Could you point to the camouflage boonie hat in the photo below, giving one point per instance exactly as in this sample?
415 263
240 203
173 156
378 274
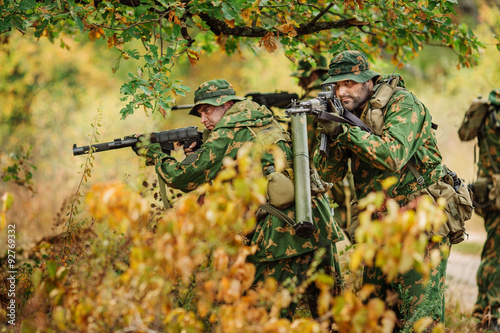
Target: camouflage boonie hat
310 76
213 92
494 97
350 65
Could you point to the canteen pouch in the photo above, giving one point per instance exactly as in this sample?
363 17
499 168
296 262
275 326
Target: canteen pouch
374 117
459 206
481 188
384 93
280 190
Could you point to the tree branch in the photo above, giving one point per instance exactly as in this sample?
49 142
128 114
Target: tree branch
219 27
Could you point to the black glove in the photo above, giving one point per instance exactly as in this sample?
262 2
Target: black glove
137 148
327 127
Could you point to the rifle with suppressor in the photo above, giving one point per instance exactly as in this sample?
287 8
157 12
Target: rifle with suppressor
166 139
278 99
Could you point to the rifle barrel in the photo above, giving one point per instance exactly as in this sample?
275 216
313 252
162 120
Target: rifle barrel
116 144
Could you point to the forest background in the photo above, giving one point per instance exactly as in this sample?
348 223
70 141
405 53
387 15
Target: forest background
50 96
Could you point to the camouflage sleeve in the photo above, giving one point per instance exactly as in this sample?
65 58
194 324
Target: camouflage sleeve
333 167
489 142
199 167
406 122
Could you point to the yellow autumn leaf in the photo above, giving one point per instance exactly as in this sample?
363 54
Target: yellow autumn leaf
230 23
356 258
422 324
193 57
287 29
245 16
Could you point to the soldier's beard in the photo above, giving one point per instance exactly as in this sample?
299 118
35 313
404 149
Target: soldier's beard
356 103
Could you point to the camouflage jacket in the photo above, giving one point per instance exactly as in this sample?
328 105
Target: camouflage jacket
406 133
489 141
275 239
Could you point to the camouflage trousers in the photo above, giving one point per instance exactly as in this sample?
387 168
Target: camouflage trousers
295 268
487 305
408 296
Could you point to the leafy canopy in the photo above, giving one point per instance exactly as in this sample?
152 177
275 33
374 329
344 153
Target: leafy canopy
169 30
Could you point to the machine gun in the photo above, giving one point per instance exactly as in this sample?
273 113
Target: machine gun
278 99
167 139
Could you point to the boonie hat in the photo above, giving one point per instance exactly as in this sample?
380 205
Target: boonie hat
213 92
311 77
350 65
494 97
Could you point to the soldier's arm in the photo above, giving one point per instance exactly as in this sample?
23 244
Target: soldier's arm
333 167
197 168
405 125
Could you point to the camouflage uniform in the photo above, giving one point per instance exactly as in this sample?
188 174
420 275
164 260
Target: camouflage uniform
280 253
406 134
488 273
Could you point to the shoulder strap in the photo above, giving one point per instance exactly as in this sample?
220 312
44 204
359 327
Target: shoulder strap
277 213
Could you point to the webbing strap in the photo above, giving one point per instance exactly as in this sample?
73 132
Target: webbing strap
418 176
278 213
347 118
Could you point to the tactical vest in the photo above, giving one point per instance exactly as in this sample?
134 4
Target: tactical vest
374 117
457 195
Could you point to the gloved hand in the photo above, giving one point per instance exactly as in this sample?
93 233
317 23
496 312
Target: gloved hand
327 127
138 147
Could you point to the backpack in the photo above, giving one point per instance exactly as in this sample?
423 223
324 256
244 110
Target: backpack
473 119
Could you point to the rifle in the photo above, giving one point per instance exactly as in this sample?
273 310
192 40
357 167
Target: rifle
320 106
185 135
167 139
279 99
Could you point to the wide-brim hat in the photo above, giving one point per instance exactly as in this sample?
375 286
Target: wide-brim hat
213 92
350 65
312 76
494 97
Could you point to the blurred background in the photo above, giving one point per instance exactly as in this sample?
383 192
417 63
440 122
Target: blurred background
49 97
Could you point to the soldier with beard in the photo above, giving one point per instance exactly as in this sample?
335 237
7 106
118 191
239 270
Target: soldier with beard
401 132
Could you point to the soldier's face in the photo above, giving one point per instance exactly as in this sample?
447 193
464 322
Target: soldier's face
211 115
353 95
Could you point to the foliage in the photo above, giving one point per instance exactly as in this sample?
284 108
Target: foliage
16 168
187 269
394 238
170 29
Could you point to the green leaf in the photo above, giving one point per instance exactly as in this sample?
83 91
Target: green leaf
78 22
52 269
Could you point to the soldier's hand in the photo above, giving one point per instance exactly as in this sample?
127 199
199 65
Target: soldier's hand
138 148
189 150
327 127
